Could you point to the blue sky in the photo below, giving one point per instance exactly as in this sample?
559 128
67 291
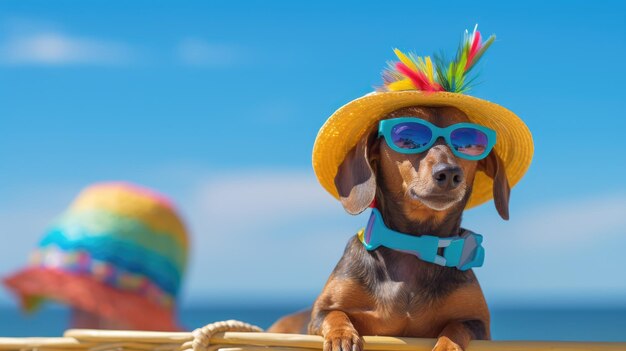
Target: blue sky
218 104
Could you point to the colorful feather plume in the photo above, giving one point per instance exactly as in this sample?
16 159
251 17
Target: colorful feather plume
414 72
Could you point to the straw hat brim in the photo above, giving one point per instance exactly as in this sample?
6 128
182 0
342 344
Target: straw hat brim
343 130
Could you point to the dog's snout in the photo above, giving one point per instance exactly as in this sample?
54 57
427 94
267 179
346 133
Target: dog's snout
447 176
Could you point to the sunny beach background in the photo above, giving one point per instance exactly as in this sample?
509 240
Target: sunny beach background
217 105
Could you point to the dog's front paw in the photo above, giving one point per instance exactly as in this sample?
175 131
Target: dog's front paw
445 344
343 340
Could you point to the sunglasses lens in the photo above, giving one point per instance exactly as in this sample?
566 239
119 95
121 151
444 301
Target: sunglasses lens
410 135
469 141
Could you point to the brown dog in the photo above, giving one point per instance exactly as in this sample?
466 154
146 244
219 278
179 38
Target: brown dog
387 292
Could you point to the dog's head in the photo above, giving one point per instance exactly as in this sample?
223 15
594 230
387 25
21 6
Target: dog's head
424 186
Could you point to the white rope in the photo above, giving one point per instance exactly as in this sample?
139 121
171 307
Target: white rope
202 336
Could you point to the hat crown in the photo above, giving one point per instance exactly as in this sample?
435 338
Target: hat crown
123 235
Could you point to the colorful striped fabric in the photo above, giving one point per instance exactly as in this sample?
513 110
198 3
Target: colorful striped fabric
120 236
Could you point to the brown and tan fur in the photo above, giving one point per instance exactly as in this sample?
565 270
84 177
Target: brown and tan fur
386 292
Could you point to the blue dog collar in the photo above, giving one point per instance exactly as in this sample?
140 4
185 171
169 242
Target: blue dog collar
463 252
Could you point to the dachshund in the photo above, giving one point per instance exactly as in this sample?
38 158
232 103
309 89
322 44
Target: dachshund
392 293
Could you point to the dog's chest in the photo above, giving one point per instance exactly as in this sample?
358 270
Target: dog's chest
398 297
407 293
403 311
402 292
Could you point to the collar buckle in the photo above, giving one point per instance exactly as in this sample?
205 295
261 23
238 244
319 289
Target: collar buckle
463 252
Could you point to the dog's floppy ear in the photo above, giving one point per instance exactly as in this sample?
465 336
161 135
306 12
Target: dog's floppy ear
355 180
493 167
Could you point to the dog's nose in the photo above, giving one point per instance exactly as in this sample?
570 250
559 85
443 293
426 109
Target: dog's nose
447 176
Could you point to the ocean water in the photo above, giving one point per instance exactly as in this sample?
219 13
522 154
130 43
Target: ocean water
562 324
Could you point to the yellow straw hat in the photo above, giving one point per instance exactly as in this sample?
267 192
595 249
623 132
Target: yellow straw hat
416 81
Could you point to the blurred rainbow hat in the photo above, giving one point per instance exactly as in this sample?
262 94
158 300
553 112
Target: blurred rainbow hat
119 251
422 81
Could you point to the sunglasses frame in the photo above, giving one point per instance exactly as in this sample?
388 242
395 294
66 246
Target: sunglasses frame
385 126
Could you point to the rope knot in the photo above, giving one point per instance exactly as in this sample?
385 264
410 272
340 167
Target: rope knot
202 336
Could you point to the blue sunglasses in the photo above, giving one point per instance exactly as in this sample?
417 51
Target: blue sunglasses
411 135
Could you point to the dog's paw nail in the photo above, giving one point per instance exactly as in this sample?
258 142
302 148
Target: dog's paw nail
343 340
445 344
